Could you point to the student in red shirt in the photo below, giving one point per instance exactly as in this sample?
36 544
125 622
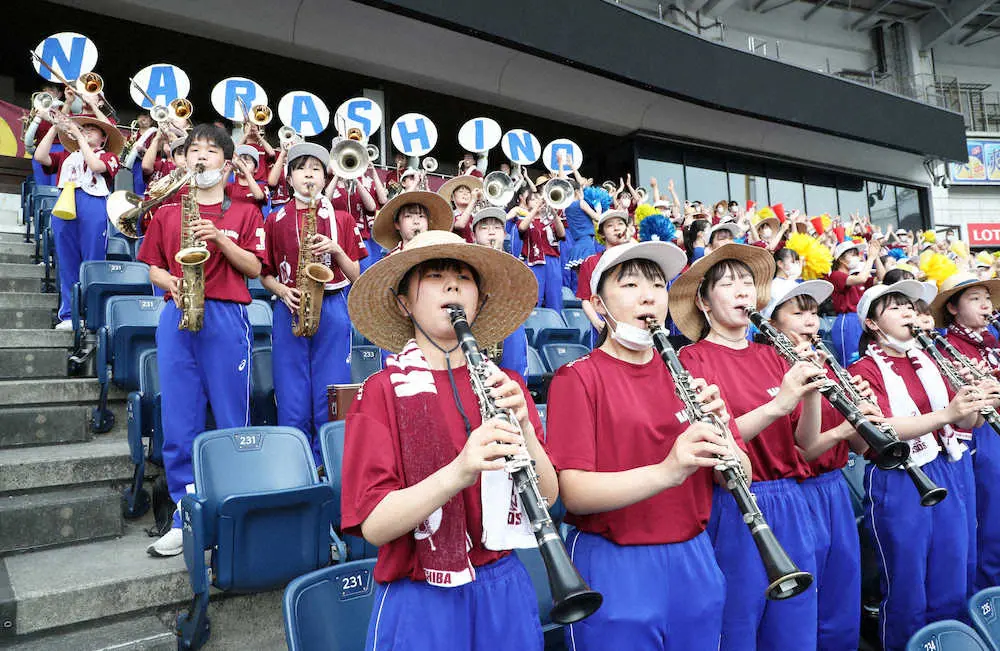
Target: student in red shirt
962 307
541 230
635 477
277 181
164 154
851 276
244 187
210 365
465 193
777 410
406 216
254 137
423 477
614 226
924 554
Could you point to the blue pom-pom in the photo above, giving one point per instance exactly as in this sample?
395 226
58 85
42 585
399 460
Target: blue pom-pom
598 197
657 228
899 254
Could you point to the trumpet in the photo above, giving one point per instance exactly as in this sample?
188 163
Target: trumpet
159 114
90 82
349 159
287 136
260 114
558 194
181 108
373 152
429 164
41 104
498 188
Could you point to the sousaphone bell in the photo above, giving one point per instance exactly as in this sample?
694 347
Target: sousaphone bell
498 188
349 159
558 194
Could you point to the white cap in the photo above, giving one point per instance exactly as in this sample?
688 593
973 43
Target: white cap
661 203
820 290
612 214
912 289
930 292
308 149
668 257
844 247
735 230
245 150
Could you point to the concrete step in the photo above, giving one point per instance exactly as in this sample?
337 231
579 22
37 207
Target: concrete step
8 270
18 258
14 238
59 517
28 300
36 339
32 363
16 246
19 393
20 284
142 632
101 461
36 318
54 424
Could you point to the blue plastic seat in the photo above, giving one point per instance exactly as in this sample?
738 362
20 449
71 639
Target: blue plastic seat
143 423
984 608
569 299
99 281
545 325
577 318
119 249
556 355
263 408
43 200
358 339
542 414
27 191
331 440
365 362
257 291
329 609
536 375
129 329
946 635
261 510
261 319
854 473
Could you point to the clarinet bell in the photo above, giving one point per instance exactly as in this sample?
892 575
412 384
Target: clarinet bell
930 493
785 579
572 598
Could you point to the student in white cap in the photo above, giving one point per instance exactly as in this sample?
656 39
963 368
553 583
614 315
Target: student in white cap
851 276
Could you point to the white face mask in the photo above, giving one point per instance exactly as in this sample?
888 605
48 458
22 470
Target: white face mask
209 178
899 346
628 335
795 271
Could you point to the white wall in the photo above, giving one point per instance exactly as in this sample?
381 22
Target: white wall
961 205
970 64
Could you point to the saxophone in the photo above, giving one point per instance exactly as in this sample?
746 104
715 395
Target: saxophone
311 276
192 258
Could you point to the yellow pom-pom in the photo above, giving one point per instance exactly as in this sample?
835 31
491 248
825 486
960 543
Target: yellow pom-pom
959 248
642 211
985 258
929 236
827 222
936 267
817 259
762 214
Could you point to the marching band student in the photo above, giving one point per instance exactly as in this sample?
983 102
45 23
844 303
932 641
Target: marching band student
161 157
244 187
851 276
777 409
423 476
541 231
305 366
923 553
162 168
410 179
253 137
635 477
721 234
962 307
465 193
90 162
277 181
355 196
406 216
210 366
581 218
614 227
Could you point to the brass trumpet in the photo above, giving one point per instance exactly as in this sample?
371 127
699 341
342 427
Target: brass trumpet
181 108
260 114
90 82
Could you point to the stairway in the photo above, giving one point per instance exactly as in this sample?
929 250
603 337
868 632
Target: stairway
74 574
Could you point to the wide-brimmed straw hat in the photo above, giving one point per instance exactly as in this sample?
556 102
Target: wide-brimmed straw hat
439 216
683 308
115 138
960 282
448 187
507 290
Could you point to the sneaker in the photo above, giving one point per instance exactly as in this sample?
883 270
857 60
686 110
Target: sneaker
170 544
65 325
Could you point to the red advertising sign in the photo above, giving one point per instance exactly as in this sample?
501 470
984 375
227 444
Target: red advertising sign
10 130
984 234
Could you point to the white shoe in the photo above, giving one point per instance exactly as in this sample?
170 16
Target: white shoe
170 544
64 325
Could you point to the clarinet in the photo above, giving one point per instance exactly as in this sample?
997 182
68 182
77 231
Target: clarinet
572 598
785 579
927 344
930 493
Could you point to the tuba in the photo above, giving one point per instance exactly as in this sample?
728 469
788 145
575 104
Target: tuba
126 208
349 159
311 276
498 188
192 258
558 194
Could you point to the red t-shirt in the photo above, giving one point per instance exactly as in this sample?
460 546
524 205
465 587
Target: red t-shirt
972 351
161 168
584 275
845 299
904 368
373 465
350 202
465 232
836 457
608 415
539 241
237 192
264 162
281 236
772 452
242 223
110 162
279 193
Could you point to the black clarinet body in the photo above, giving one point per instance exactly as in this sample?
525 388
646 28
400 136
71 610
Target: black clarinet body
930 343
785 579
572 598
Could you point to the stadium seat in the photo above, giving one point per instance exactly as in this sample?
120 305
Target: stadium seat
365 361
577 318
545 325
532 560
50 283
854 473
253 486
536 376
129 328
542 413
263 408
119 249
984 608
257 291
556 355
331 441
260 321
43 199
946 635
358 339
569 299
99 281
143 423
329 609
27 190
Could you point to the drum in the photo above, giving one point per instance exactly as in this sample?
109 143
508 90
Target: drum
339 398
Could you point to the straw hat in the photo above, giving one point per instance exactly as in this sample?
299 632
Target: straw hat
957 283
439 216
683 309
115 138
448 188
507 285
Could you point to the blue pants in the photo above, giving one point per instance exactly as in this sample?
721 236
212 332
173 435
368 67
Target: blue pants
838 561
549 277
986 462
78 240
375 253
846 334
138 182
749 620
964 469
515 351
921 551
497 610
569 276
656 597
198 369
305 366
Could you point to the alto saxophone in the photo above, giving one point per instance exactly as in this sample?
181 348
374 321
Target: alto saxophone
192 258
311 276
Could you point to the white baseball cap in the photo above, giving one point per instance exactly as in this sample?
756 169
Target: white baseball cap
666 256
844 247
912 289
732 227
820 290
